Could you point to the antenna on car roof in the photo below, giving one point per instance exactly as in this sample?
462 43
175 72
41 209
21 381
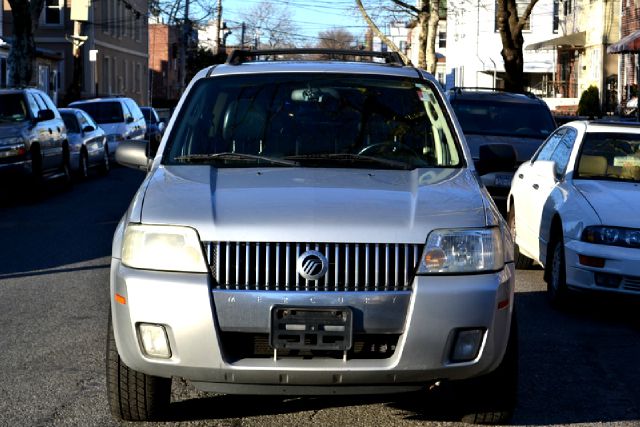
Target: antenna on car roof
238 56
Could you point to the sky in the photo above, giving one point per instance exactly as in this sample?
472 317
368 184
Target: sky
311 16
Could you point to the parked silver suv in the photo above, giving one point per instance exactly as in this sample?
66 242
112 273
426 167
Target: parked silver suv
33 137
311 227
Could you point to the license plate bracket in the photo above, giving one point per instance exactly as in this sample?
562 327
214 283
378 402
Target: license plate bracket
316 328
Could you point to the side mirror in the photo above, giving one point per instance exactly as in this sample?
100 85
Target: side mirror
133 154
496 158
44 115
129 119
88 128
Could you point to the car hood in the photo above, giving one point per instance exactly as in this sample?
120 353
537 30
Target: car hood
525 147
10 130
616 203
312 205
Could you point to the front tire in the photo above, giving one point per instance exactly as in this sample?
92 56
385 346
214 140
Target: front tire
105 166
522 262
556 274
83 165
132 395
494 396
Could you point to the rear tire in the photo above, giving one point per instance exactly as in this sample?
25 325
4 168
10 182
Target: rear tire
522 262
494 396
132 395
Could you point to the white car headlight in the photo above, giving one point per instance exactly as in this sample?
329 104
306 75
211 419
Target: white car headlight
452 251
161 247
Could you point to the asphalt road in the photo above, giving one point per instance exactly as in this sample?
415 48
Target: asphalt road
578 367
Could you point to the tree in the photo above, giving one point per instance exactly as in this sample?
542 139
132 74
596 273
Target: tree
335 38
22 55
270 22
424 18
510 26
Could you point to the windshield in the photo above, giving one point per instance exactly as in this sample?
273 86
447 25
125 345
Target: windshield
504 118
103 112
13 108
610 156
314 120
70 122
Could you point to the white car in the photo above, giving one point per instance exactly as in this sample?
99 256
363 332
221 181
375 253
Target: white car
573 208
119 117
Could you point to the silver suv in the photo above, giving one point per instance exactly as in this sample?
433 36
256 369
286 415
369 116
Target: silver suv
311 227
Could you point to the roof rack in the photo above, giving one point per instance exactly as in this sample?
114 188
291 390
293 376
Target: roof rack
460 89
238 56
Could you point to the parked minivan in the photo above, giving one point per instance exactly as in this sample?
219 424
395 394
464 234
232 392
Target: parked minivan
119 117
33 137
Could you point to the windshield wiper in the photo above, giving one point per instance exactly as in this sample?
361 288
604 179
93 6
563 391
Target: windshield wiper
350 158
204 158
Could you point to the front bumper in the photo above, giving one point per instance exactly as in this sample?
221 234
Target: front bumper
429 317
619 274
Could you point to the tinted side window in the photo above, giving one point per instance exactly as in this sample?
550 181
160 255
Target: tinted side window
48 102
546 150
70 122
563 151
33 105
127 111
82 120
135 110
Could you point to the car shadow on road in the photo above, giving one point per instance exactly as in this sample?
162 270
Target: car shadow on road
577 365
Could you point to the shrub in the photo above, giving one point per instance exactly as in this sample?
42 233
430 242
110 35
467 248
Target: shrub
589 104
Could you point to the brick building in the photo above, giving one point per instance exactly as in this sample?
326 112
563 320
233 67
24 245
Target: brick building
164 63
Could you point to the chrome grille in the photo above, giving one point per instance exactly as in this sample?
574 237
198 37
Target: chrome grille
352 266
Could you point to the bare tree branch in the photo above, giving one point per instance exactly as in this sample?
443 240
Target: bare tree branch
380 34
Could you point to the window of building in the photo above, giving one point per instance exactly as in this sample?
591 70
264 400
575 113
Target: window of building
568 7
442 39
3 73
106 88
403 46
521 6
556 15
138 80
52 12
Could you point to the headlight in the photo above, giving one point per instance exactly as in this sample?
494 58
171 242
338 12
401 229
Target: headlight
462 251
613 236
159 247
14 140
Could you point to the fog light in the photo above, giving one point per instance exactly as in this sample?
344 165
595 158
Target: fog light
591 261
154 340
608 280
467 345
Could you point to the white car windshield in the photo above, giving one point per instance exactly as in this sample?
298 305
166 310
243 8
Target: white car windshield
315 120
610 156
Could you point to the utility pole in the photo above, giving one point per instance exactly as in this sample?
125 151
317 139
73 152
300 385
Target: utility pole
183 47
218 26
244 27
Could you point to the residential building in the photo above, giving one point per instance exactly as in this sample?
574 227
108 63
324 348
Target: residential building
116 32
405 35
628 68
586 28
474 44
164 63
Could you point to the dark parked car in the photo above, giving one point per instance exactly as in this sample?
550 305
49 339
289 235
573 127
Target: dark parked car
33 137
488 116
155 127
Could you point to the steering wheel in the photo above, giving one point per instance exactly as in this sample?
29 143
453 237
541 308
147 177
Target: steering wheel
388 147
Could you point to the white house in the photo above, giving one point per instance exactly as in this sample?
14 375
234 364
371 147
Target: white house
405 37
474 44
